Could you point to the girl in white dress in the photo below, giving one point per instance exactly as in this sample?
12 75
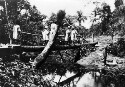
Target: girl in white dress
73 35
45 34
16 32
16 29
53 28
67 37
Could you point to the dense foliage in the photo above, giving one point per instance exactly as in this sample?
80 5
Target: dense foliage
18 73
118 48
22 13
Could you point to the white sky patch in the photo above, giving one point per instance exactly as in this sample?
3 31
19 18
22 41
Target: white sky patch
49 6
70 6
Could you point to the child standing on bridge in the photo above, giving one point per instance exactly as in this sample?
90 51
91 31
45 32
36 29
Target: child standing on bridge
68 37
16 33
45 34
53 28
73 35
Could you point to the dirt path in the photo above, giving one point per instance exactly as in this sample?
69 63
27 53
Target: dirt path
96 58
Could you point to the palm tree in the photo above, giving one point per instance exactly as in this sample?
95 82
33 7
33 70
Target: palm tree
80 17
97 11
68 20
118 3
93 27
52 19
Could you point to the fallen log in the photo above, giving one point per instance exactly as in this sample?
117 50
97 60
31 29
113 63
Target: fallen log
80 73
41 58
84 69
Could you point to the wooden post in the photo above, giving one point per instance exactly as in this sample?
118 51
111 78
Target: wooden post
93 32
112 33
105 56
92 37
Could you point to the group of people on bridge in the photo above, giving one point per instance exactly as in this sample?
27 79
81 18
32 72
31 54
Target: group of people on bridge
70 33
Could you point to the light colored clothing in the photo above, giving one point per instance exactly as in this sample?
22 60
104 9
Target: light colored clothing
45 34
53 28
73 35
67 35
24 11
16 28
1 8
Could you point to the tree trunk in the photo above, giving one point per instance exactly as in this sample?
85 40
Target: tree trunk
41 58
112 37
105 56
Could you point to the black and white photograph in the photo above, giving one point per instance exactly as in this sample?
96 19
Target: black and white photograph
62 43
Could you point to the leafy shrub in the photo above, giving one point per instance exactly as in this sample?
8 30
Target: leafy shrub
117 49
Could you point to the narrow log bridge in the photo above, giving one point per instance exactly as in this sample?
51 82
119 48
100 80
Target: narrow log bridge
18 49
58 47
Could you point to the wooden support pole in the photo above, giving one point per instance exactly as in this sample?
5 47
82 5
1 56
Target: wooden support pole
105 55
